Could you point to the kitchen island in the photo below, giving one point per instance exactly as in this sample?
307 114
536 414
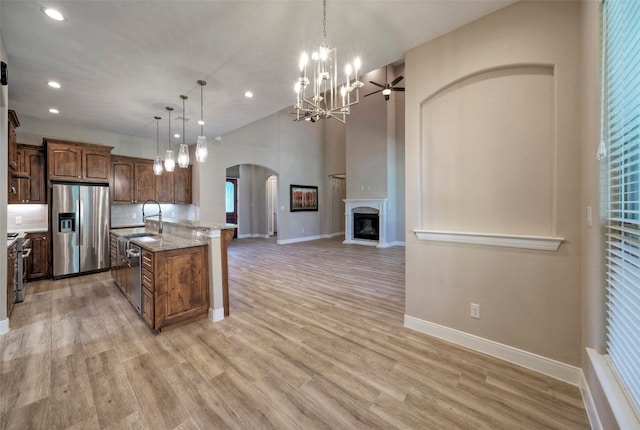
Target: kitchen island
183 270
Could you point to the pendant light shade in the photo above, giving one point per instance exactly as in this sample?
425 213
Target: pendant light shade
202 153
183 155
169 159
157 163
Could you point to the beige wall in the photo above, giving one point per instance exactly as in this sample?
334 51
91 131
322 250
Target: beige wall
492 146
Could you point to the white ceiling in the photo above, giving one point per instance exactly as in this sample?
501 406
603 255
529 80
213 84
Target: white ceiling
121 62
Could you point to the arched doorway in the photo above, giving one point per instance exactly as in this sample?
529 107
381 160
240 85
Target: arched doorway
254 189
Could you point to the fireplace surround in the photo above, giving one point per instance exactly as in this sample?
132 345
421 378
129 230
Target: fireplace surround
367 209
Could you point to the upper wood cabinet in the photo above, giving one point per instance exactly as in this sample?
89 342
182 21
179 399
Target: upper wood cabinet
30 159
174 187
132 179
12 140
78 162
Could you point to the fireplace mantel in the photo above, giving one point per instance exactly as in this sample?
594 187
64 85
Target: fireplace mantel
351 206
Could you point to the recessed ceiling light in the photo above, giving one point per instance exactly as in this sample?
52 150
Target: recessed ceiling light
248 94
177 135
53 13
54 110
54 84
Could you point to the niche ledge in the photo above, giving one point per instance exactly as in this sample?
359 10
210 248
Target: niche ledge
541 243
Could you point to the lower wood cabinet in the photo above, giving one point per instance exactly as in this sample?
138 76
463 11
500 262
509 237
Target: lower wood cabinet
175 286
38 261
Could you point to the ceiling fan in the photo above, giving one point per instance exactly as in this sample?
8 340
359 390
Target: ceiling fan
387 88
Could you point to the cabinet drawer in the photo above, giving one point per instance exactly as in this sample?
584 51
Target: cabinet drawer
147 280
147 260
147 307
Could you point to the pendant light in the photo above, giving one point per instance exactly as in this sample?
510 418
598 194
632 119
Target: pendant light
169 160
183 155
157 163
202 153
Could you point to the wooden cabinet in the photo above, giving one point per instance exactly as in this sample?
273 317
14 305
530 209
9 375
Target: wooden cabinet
31 159
38 261
12 140
133 180
174 187
78 162
11 277
175 286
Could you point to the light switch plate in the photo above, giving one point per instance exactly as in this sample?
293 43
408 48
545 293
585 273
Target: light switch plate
18 220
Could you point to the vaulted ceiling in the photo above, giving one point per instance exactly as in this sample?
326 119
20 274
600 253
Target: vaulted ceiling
122 62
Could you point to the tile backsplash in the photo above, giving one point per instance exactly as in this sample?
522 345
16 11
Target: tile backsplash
27 217
131 215
36 217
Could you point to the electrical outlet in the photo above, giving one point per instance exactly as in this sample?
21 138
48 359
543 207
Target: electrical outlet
303 230
18 220
134 216
475 310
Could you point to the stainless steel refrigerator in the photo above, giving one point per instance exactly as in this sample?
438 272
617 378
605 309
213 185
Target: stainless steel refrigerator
80 228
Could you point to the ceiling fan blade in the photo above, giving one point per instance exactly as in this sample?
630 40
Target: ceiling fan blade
375 92
397 89
376 84
396 80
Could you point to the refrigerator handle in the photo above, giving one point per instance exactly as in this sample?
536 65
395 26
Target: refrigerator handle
79 211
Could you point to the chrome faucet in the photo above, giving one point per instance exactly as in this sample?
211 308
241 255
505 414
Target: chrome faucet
159 214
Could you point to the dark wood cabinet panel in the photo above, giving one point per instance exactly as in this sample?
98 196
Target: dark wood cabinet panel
96 165
145 182
12 139
30 159
65 162
35 188
174 187
133 180
182 185
38 262
165 187
78 162
122 180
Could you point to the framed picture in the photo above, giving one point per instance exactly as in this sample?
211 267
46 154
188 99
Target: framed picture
303 198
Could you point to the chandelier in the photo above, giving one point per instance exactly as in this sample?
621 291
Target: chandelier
326 98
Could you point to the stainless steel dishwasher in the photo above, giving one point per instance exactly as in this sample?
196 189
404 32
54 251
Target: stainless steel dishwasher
134 253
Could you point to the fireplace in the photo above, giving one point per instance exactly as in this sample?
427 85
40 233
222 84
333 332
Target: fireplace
366 226
365 222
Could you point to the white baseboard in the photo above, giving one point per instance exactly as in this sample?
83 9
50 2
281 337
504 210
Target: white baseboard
253 236
216 315
4 326
299 239
589 404
331 235
547 366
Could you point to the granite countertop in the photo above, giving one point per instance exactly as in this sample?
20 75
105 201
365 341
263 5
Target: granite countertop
21 235
156 242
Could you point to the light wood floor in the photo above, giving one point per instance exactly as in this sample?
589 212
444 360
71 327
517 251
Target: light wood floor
315 340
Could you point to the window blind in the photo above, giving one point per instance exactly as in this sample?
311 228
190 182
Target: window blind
621 132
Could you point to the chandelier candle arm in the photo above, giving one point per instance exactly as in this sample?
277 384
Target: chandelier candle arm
324 102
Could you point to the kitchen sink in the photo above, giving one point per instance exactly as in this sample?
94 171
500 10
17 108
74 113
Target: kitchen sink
138 235
147 238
